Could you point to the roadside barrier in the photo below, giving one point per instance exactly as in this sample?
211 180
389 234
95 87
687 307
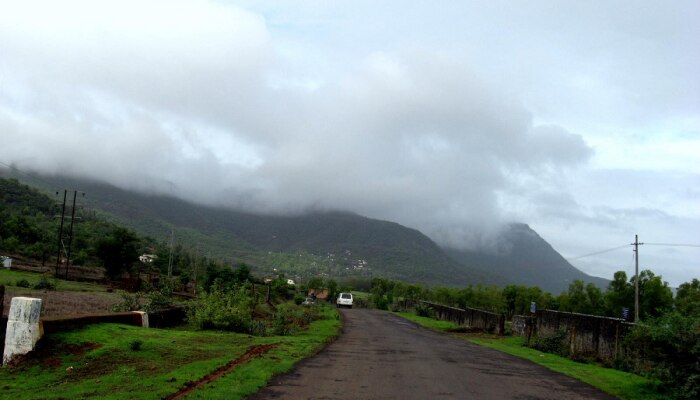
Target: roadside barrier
582 334
469 317
14 332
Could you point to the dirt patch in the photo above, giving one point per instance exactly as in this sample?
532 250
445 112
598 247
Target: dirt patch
255 351
61 303
48 351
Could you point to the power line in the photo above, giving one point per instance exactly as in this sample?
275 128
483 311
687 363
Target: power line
27 174
674 244
599 252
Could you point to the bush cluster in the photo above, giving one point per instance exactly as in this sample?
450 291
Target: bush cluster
288 318
424 310
229 309
23 283
45 284
555 344
668 349
129 302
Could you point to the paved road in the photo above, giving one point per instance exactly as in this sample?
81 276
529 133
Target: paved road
382 356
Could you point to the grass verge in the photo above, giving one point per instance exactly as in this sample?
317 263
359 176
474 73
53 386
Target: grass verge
620 384
9 278
104 361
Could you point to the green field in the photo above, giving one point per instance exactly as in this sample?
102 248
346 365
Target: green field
617 383
107 361
9 278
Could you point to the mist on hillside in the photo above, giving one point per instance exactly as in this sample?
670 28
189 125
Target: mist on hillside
454 120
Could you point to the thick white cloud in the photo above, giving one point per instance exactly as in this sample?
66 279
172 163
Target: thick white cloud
450 119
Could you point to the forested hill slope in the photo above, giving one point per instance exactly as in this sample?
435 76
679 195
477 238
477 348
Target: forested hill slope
524 257
336 241
332 242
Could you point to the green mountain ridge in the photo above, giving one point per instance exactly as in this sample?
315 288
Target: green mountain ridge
525 255
331 242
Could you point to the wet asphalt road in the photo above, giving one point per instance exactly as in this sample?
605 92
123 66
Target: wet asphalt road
382 356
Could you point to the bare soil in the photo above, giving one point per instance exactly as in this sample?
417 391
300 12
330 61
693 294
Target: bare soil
61 303
64 303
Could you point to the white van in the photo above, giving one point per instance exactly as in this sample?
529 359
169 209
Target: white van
344 300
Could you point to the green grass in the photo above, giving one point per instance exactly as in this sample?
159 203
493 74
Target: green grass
360 295
431 323
9 278
620 384
98 361
250 377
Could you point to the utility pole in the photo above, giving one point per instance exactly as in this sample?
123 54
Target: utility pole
195 269
636 277
70 233
60 233
61 245
170 256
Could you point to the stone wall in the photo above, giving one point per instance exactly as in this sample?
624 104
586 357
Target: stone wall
470 317
520 324
586 335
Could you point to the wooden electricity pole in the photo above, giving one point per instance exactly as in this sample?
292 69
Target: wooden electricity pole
636 277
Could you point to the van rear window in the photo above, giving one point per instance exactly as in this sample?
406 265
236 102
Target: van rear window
346 296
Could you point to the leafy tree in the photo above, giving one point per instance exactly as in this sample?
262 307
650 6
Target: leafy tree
242 274
688 298
315 283
220 275
582 299
655 296
596 300
517 299
118 251
332 290
620 294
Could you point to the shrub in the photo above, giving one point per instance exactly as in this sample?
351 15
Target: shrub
555 344
287 319
159 298
23 283
359 303
667 348
424 310
380 302
135 345
129 302
225 309
258 328
45 284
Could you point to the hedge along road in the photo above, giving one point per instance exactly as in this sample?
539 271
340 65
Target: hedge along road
382 356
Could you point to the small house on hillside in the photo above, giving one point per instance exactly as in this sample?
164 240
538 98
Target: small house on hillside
147 258
319 294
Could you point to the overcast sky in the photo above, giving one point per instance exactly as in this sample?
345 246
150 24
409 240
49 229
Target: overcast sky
581 119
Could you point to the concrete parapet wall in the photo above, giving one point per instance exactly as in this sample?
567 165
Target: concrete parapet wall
521 323
470 317
157 319
52 325
588 335
167 318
